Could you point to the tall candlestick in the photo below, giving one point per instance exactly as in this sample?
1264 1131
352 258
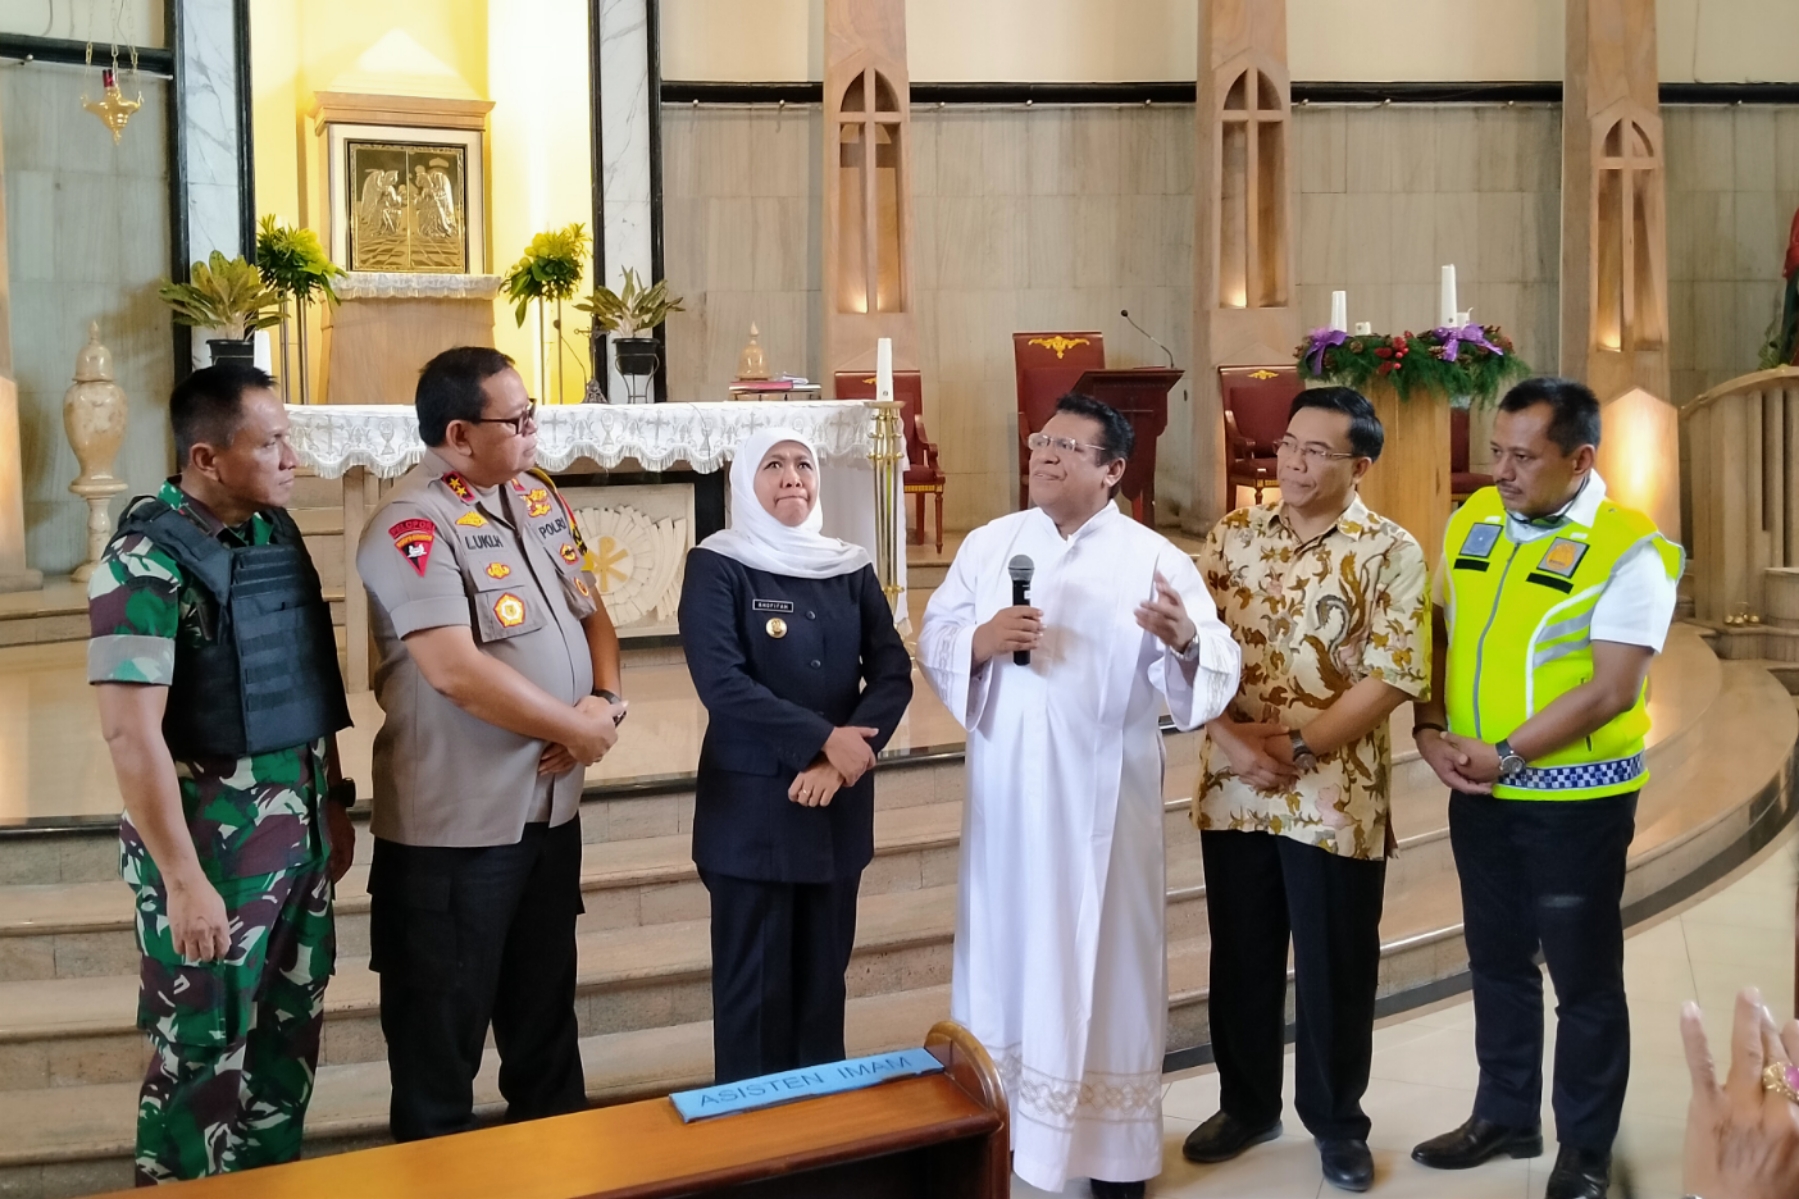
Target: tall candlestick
1340 310
1446 307
884 368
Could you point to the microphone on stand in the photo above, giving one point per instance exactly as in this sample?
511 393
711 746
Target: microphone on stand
1021 568
1126 314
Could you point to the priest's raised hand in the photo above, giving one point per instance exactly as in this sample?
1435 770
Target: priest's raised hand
1164 617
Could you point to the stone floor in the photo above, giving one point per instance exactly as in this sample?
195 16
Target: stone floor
1738 933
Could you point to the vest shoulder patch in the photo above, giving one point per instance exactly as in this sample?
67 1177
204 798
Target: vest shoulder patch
1479 542
1563 557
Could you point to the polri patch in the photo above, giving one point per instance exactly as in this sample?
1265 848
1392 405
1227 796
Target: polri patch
473 520
509 610
1563 557
762 605
459 485
1480 541
498 570
414 538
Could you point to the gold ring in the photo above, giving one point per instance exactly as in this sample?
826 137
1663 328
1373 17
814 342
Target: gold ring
1782 1078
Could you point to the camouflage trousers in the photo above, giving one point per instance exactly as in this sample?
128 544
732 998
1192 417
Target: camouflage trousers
234 1043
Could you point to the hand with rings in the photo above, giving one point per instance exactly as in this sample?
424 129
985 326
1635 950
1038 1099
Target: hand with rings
815 786
1742 1138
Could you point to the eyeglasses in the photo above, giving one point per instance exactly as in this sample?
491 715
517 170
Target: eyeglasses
1068 445
1310 452
518 423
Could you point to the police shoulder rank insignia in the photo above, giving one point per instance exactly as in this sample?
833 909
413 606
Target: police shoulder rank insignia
509 610
581 586
569 554
1563 557
414 538
473 520
498 570
537 508
459 485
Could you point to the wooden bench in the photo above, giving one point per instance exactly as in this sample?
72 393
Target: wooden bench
943 1135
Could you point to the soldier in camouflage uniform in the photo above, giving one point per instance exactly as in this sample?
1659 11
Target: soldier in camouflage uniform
231 846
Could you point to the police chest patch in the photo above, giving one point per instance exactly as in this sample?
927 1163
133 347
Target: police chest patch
762 605
509 610
498 570
568 554
1480 541
472 520
414 538
1563 557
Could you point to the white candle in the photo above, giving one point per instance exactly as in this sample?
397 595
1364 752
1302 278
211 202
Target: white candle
884 369
1340 310
1446 297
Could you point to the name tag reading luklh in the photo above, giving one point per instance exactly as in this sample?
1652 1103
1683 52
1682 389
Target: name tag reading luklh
808 1083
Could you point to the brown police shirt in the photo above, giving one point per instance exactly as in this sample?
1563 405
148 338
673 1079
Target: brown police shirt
507 565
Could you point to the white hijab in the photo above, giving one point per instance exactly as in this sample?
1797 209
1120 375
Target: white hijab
758 540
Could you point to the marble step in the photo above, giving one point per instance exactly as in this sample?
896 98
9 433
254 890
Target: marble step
75 930
72 1140
73 1030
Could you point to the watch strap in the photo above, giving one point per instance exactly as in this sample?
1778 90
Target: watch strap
342 793
1427 725
609 696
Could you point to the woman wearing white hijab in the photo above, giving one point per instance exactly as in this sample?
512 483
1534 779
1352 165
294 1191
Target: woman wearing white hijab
792 649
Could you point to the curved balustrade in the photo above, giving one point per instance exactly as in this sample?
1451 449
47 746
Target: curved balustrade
1743 477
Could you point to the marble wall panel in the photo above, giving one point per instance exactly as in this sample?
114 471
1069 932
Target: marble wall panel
87 240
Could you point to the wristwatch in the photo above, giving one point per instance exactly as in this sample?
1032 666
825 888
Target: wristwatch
1303 757
342 793
608 696
1510 760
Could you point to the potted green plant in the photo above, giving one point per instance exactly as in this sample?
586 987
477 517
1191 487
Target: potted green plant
631 312
294 265
549 272
227 295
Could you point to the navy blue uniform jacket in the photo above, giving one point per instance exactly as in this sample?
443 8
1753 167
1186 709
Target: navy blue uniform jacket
771 702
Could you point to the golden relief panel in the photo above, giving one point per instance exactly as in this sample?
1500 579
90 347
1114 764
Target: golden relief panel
408 206
1061 345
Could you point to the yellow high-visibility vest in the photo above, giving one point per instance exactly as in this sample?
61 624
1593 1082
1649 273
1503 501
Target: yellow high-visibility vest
1520 617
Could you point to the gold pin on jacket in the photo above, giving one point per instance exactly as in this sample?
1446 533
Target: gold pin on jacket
777 628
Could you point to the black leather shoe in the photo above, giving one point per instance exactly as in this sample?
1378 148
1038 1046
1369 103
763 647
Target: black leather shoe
1224 1137
1579 1174
1118 1190
1348 1165
1475 1142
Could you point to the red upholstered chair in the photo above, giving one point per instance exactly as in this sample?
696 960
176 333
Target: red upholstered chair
923 475
1462 481
1047 365
1257 402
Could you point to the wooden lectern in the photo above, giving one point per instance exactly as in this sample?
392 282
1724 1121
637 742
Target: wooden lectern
1050 365
939 1136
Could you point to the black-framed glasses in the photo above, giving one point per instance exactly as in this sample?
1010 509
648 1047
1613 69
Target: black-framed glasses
518 423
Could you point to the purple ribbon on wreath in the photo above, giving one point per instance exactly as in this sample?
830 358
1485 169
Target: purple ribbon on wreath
1322 340
1472 334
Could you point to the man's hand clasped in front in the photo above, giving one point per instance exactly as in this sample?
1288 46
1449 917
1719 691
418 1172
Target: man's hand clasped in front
1449 756
1255 753
599 719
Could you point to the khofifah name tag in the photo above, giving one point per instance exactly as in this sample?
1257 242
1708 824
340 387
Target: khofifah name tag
808 1083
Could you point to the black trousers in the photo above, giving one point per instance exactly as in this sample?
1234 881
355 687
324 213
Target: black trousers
1547 874
1262 889
465 937
779 953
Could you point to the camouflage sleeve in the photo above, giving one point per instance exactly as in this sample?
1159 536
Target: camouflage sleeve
134 609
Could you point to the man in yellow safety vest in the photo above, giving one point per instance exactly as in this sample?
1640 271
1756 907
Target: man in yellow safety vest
1551 602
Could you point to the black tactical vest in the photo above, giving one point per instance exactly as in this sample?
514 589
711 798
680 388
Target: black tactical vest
265 676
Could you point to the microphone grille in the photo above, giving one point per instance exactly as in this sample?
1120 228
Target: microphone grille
1021 568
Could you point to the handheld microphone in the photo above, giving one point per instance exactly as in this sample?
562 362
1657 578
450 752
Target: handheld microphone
1021 568
1126 314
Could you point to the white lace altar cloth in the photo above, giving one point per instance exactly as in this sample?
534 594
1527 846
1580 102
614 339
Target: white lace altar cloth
384 438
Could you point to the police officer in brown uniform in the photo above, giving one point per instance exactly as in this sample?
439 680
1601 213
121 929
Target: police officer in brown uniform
499 677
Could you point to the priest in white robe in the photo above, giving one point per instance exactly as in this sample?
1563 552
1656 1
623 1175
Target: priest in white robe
1060 963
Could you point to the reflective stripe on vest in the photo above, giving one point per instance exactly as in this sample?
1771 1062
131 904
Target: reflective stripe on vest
1520 618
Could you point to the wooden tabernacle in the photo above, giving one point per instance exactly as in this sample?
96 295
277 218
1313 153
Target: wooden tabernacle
944 1136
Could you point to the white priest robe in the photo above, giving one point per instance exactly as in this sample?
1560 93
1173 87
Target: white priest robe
1060 955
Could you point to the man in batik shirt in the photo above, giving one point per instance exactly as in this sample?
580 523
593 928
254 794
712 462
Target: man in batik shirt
216 671
1327 600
